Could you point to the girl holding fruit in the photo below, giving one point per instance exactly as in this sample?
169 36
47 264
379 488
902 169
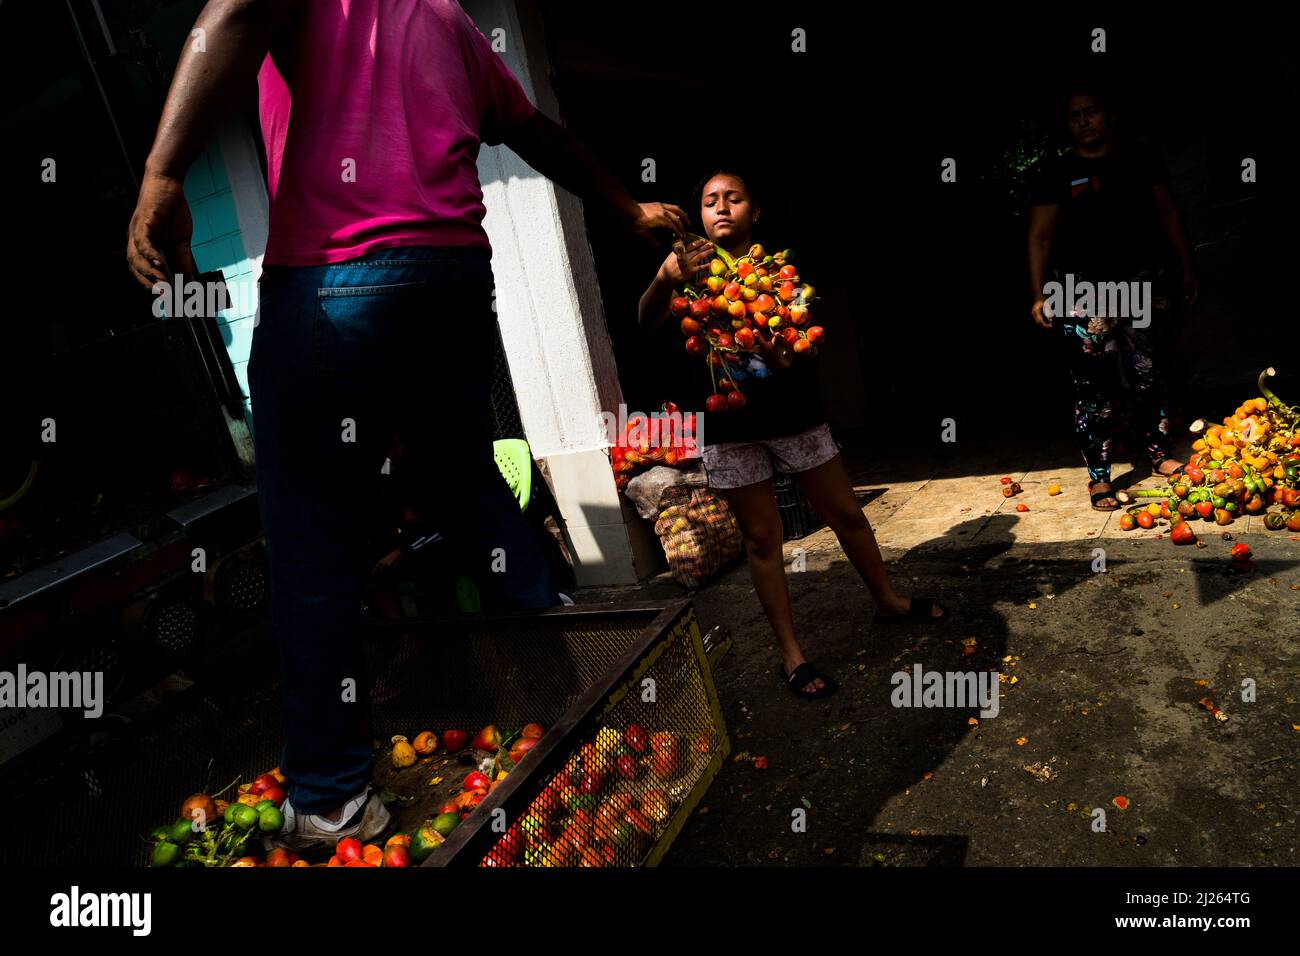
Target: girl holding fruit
776 423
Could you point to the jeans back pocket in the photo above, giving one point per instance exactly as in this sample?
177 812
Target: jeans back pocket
361 331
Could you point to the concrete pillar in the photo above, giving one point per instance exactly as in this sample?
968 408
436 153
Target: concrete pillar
553 324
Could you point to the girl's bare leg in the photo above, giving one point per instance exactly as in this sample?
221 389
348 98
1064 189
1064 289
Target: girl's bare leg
760 523
831 493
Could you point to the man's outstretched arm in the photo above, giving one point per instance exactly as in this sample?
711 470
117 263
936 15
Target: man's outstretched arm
562 158
236 37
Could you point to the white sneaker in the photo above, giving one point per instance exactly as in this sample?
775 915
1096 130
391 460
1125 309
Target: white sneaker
364 817
565 600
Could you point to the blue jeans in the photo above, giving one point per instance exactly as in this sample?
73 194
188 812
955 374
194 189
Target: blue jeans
343 357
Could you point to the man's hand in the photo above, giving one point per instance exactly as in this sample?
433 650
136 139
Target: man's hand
158 239
660 215
1191 288
1039 312
685 261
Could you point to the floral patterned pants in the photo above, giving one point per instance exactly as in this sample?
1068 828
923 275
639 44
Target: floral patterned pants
1108 356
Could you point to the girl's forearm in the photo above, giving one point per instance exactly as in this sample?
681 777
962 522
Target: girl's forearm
653 309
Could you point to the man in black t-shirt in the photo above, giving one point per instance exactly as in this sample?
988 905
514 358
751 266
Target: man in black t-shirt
1103 213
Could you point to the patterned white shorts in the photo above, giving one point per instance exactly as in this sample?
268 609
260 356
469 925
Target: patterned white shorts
737 464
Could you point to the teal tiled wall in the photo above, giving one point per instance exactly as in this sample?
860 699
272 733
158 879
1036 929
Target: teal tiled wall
218 245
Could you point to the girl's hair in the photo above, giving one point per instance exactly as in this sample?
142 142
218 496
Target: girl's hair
730 170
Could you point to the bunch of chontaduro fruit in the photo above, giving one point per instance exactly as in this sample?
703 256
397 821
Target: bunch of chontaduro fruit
757 305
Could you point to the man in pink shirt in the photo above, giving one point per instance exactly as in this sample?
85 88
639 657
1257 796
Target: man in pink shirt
372 112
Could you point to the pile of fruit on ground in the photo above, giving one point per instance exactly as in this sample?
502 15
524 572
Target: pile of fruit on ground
1249 464
421 780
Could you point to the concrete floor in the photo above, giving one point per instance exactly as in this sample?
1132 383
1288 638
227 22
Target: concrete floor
1101 678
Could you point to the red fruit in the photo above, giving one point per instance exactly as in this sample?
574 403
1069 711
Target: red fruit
801 346
1145 519
790 336
1241 552
719 305
591 783
1222 516
1127 522
735 400
454 740
732 291
488 739
680 305
690 327
1293 522
815 334
262 784
696 345
788 272
449 807
745 339
1194 475
349 850
716 403
359 863
1217 476
626 766
521 747
1182 533
1005 479
636 738
397 855
1024 507
726 340
476 780
276 795
701 308
1205 509
279 857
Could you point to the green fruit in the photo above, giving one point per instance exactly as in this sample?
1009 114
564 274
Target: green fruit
165 854
536 855
263 805
444 823
245 817
270 819
161 833
582 801
247 846
424 841
229 815
180 832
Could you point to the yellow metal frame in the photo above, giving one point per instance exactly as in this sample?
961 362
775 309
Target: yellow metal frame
687 622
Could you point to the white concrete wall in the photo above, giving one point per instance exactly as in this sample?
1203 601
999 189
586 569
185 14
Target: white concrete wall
552 321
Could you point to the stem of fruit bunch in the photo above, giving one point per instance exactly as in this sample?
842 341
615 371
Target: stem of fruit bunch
225 788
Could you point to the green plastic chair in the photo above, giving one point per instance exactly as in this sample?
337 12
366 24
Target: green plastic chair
515 461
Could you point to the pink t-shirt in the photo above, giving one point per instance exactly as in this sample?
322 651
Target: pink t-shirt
372 122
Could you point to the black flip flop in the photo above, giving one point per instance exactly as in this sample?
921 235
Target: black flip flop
1094 498
804 675
922 609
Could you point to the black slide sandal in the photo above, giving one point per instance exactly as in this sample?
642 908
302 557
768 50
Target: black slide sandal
922 609
803 675
1113 495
